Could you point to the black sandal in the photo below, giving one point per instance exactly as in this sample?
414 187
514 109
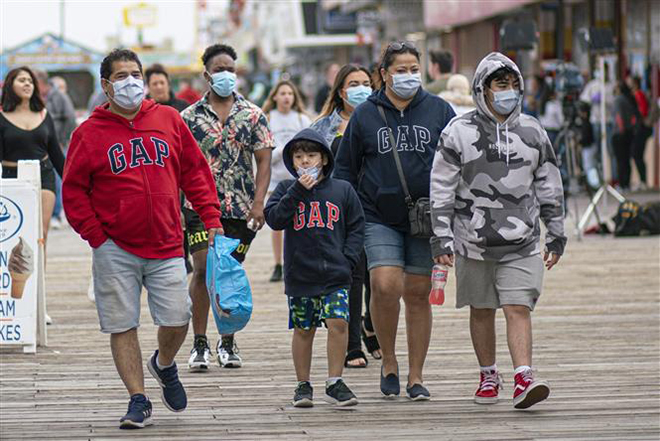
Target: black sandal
370 341
355 354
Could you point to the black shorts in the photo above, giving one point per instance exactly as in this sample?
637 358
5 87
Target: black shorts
47 174
198 238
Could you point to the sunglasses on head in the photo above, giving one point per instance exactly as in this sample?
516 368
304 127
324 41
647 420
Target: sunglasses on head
400 45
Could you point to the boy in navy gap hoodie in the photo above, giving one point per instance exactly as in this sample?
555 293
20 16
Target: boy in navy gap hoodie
323 225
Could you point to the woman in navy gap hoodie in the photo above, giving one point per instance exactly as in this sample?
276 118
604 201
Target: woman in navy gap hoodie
399 264
323 225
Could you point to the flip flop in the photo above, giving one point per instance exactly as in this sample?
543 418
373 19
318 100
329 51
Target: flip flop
370 341
355 354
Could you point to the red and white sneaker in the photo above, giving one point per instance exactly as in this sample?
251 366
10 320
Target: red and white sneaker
528 391
489 387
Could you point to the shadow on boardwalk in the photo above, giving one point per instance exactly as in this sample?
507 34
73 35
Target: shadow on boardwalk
596 336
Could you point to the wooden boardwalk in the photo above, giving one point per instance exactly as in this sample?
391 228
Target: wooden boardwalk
596 336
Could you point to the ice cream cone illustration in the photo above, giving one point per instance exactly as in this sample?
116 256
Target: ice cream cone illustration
21 267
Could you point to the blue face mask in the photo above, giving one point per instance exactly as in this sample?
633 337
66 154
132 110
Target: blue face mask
223 83
406 85
505 102
312 171
356 95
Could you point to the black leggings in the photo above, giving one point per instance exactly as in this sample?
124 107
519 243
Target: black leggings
355 303
642 133
622 143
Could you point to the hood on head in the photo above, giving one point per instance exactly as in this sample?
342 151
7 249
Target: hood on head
313 136
491 63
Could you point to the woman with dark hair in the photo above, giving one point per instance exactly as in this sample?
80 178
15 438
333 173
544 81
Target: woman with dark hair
28 132
626 118
286 117
402 116
351 88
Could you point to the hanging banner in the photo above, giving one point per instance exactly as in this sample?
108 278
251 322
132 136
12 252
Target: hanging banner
19 263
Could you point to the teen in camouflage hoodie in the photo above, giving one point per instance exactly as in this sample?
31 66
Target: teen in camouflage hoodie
491 178
494 177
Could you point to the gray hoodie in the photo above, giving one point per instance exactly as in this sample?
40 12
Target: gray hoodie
492 182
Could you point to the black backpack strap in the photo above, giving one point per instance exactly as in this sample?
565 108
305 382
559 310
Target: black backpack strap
397 160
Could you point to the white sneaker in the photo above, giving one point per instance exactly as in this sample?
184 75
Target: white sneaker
55 223
49 321
200 357
228 353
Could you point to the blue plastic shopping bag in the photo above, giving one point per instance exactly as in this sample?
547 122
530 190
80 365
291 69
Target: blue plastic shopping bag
228 286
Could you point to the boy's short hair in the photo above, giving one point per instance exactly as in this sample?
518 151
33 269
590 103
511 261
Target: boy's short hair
307 147
499 74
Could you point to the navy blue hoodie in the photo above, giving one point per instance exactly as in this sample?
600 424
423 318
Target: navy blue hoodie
365 156
323 227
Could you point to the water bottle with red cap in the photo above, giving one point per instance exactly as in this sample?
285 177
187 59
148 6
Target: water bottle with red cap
438 282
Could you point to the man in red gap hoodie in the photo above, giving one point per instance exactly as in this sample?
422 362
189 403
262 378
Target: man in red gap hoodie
125 167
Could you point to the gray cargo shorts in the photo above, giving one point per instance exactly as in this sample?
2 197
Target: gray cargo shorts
487 284
118 280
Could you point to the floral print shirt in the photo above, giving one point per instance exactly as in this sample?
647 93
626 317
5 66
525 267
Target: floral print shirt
229 149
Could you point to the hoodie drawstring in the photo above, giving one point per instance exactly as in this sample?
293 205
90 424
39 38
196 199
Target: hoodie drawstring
499 146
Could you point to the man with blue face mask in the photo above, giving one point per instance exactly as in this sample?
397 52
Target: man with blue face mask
494 178
231 132
125 169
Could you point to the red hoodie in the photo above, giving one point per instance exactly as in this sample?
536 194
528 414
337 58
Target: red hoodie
122 180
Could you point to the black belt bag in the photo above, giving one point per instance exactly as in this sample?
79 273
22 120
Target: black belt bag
419 211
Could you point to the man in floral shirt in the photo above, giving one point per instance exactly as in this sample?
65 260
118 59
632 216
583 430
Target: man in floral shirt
230 131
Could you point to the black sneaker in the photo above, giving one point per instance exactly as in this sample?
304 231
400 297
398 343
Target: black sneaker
138 415
417 392
389 385
340 395
304 395
277 274
172 392
200 356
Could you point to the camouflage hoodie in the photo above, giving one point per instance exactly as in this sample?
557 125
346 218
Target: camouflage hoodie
491 182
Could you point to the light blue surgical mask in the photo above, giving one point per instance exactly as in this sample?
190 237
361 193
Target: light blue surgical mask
129 92
223 83
406 85
505 102
356 95
312 171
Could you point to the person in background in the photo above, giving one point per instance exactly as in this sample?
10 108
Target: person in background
643 130
187 92
439 70
494 178
286 117
60 107
551 115
591 94
322 95
352 87
158 84
233 134
96 99
626 119
534 96
60 84
27 131
458 94
399 264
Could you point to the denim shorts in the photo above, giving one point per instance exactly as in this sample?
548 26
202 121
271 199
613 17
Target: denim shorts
311 312
118 280
386 246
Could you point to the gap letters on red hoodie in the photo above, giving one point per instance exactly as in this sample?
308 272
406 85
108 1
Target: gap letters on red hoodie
122 180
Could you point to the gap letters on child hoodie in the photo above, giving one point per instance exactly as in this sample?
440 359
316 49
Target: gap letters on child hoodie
492 181
365 157
122 180
324 227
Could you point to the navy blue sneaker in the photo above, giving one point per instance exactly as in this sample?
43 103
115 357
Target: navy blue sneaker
389 385
417 392
138 415
172 392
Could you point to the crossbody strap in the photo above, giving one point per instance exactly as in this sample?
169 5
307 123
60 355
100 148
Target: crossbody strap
397 160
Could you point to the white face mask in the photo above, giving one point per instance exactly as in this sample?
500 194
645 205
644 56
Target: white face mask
129 92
